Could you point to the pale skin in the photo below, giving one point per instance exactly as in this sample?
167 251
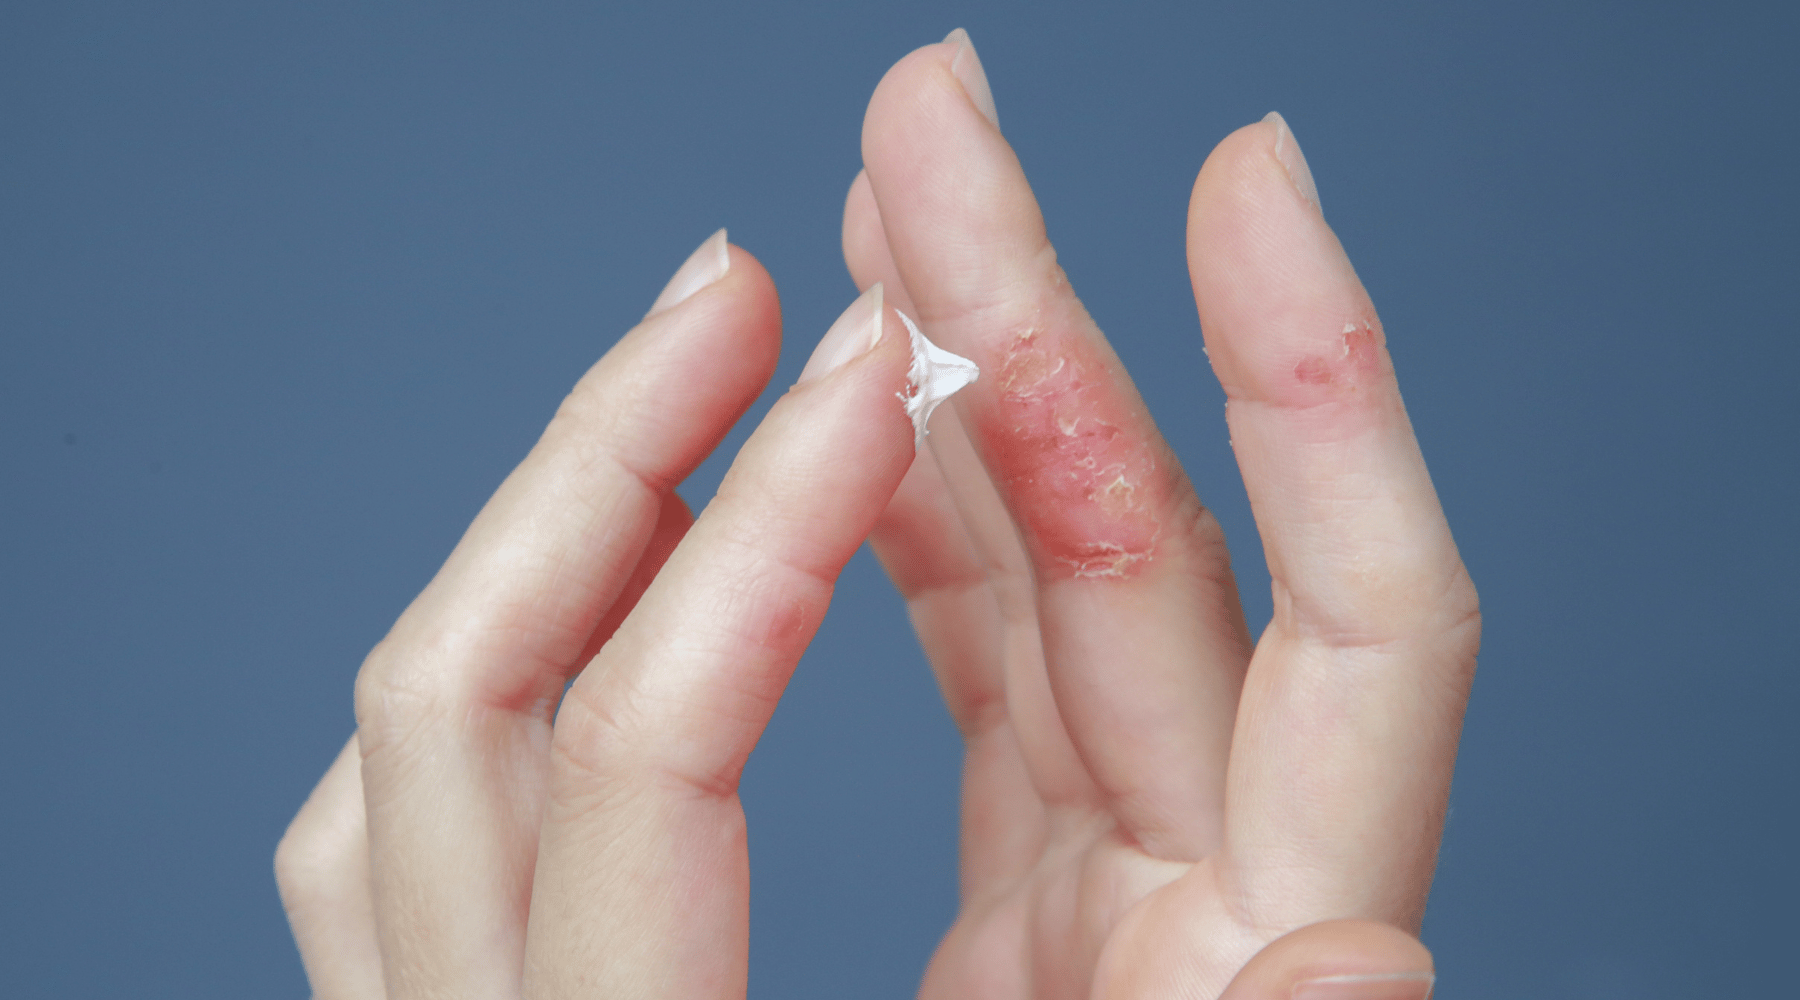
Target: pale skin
1156 804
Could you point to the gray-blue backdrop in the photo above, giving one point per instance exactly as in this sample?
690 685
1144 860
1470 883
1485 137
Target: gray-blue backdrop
285 289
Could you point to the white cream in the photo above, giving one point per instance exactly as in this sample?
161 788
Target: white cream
936 376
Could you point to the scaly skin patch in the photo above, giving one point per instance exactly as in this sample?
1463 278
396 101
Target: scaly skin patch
1357 363
1074 456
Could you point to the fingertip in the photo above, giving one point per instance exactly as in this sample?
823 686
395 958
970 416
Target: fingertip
935 97
859 375
1258 152
749 279
928 66
855 332
1234 163
1285 317
705 266
717 267
965 65
747 308
1293 161
1337 960
699 363
962 227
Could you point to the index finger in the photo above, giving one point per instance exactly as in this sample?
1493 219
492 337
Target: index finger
1353 705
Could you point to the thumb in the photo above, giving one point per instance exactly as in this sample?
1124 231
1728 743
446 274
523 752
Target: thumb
1337 960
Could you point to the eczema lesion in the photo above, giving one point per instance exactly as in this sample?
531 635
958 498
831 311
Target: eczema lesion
1078 463
1029 367
1105 559
1117 497
1358 358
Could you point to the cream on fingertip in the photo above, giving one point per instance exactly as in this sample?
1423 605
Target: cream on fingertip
936 375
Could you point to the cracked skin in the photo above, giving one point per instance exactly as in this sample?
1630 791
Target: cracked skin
1075 458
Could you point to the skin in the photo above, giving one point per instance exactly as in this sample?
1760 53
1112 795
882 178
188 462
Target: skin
1155 805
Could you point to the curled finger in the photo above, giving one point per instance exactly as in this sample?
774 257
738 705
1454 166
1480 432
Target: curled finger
322 870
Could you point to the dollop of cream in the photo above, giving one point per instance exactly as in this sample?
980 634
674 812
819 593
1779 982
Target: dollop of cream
936 376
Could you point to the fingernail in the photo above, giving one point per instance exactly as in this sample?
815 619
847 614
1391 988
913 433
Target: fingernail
1367 986
854 334
967 67
707 265
1287 150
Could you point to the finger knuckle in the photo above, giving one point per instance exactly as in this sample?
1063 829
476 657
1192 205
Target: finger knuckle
587 406
607 750
1461 630
397 694
590 422
301 866
595 753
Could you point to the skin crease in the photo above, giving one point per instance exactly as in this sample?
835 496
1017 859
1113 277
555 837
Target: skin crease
1155 807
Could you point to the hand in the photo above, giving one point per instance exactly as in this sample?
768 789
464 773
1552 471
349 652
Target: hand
464 846
1150 798
499 854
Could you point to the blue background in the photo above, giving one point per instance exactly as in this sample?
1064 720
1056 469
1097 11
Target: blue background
285 289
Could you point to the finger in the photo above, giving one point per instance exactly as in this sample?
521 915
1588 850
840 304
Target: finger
951 550
1143 637
322 870
455 705
1354 701
642 882
672 523
926 551
958 621
921 538
1337 960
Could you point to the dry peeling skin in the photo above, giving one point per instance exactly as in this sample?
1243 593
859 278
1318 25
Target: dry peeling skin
1075 456
1359 361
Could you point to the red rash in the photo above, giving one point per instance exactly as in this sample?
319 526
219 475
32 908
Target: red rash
1357 362
1072 452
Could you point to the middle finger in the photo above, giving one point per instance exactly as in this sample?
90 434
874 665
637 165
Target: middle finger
1144 639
